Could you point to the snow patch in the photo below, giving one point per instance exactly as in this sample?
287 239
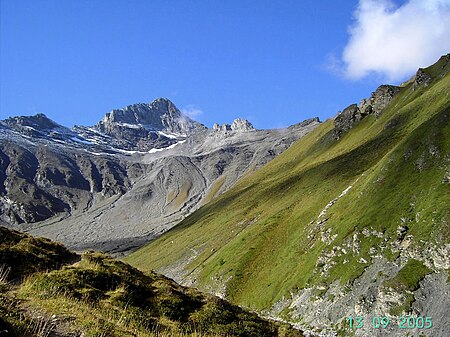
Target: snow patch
96 140
98 132
166 148
130 126
28 127
128 151
82 141
131 152
168 135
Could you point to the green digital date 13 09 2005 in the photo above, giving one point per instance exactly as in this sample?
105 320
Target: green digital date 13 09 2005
403 322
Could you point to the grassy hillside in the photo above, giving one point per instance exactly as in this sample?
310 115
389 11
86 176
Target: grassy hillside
46 290
386 184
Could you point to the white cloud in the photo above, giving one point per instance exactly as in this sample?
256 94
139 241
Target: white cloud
191 111
394 41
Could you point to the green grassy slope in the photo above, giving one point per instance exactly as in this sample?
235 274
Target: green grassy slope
46 290
264 238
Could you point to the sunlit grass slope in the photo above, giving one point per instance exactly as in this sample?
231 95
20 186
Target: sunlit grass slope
45 290
263 237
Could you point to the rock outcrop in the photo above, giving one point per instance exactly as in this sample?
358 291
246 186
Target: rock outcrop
421 78
38 122
379 100
159 115
241 125
424 77
374 105
238 124
345 120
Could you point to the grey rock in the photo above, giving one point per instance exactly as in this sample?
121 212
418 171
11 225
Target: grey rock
346 119
421 78
241 125
145 126
439 70
161 114
368 297
433 298
223 127
238 125
379 100
39 122
374 105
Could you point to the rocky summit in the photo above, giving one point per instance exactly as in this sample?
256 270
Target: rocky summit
127 179
237 125
136 126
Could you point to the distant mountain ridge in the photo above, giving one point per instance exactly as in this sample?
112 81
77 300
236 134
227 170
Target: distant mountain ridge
39 121
146 165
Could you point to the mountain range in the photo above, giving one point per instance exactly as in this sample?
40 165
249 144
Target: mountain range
127 179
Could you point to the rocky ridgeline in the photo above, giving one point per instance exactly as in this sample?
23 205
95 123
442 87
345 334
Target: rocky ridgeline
379 100
237 125
38 122
421 78
374 105
38 126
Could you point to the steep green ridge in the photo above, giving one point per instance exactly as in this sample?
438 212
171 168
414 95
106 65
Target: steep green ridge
265 240
57 293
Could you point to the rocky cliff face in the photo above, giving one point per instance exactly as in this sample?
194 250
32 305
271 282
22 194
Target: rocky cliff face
145 126
238 124
379 100
129 178
38 122
421 78
159 115
345 120
374 105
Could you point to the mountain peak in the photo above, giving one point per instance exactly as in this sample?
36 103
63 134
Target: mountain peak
242 125
162 101
159 115
239 124
39 122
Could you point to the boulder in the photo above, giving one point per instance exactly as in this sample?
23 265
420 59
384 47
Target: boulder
346 119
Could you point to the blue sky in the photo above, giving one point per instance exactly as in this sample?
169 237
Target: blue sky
273 62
